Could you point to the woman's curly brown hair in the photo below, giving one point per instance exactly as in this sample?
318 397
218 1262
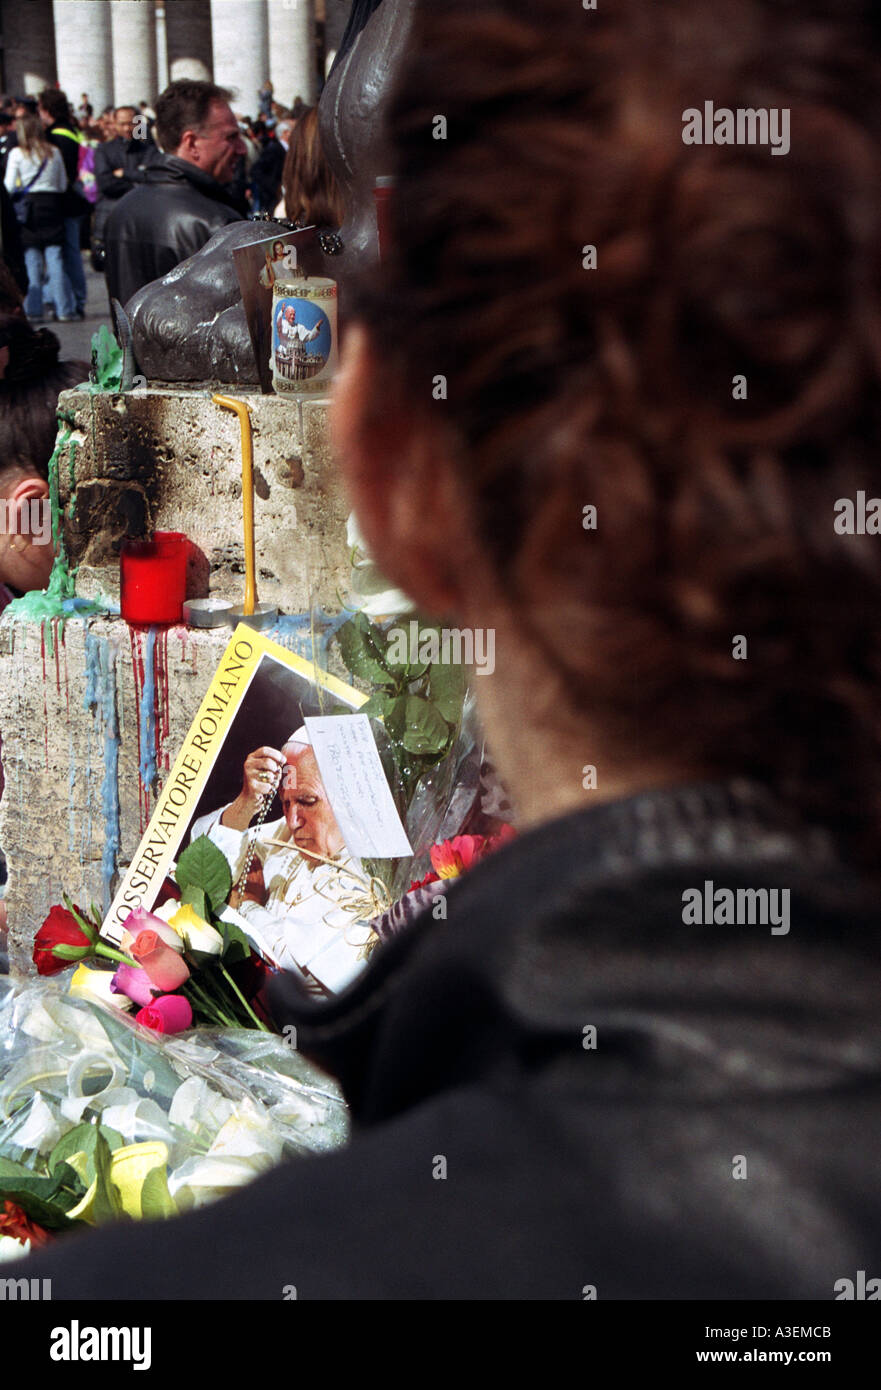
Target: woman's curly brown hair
614 386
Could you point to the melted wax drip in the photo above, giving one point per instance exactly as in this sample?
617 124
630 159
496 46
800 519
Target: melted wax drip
59 600
308 634
151 678
100 697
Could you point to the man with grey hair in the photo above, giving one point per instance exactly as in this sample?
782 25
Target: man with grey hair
303 900
184 198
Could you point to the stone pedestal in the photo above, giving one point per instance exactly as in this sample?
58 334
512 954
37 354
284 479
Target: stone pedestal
92 716
170 460
92 713
74 702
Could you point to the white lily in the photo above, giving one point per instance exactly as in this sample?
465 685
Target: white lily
248 1135
197 1106
41 1130
138 1119
202 1180
375 596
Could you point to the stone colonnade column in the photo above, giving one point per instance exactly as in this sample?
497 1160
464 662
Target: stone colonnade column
83 50
239 41
188 39
292 50
28 47
133 30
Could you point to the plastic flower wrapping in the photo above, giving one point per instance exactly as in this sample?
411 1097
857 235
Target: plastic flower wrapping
102 1119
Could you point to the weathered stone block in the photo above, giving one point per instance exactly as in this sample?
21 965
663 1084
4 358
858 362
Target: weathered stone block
170 459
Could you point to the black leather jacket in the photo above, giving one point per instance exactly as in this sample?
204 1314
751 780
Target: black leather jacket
656 1107
133 157
160 223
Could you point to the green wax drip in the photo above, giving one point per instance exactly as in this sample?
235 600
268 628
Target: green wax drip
71 467
59 599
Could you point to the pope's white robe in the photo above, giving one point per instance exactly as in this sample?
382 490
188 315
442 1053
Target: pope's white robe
303 927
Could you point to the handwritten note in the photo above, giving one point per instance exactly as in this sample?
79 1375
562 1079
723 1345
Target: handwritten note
356 787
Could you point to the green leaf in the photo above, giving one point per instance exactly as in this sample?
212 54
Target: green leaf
108 1203
195 898
425 731
82 1139
203 865
446 690
9 1168
378 706
36 1183
362 648
156 1200
235 944
46 1212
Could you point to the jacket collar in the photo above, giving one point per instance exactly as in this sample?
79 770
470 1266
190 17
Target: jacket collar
577 922
169 168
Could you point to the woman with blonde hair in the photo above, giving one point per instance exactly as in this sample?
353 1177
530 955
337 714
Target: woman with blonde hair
36 179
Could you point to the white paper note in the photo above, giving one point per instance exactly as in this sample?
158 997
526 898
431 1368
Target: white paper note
357 790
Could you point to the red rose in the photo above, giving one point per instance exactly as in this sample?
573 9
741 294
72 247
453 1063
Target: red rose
59 929
16 1223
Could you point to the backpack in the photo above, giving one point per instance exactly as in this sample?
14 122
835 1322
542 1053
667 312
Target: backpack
20 200
85 182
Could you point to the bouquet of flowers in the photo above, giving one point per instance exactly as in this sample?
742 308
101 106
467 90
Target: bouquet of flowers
180 965
100 1121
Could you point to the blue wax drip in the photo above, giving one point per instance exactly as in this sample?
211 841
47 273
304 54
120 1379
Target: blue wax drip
100 696
294 631
147 713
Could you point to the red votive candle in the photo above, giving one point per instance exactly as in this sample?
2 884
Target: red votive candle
153 579
383 192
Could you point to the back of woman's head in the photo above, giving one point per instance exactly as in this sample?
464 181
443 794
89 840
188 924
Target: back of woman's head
32 378
708 378
31 135
311 193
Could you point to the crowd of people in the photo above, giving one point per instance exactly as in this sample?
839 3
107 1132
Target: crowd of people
67 176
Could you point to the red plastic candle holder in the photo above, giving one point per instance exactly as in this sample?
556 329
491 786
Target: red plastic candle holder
153 579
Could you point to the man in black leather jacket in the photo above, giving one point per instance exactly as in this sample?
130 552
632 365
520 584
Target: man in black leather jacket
183 199
120 165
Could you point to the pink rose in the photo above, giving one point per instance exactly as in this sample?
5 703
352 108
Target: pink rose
141 920
168 1013
134 983
165 967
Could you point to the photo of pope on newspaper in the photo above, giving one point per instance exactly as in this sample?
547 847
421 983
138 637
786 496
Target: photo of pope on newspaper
247 777
297 891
